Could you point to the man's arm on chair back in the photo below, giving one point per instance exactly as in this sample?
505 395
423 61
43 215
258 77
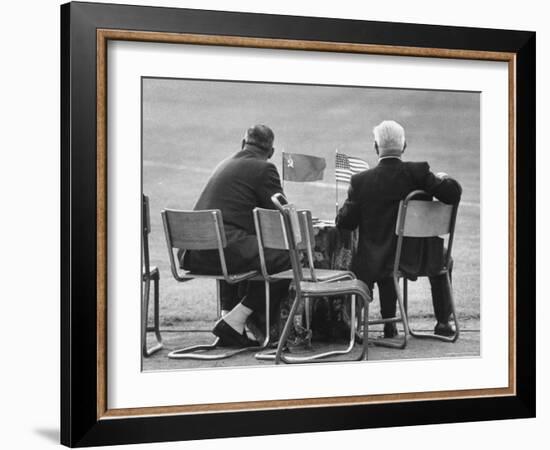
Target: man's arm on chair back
440 185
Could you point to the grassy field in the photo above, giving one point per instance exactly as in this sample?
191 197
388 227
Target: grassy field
189 126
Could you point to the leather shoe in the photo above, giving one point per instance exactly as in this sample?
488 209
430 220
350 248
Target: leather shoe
226 343
444 329
229 337
390 330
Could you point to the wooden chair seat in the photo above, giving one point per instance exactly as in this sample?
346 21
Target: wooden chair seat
345 287
448 268
231 278
443 271
320 274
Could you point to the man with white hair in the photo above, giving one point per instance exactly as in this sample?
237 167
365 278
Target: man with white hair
372 206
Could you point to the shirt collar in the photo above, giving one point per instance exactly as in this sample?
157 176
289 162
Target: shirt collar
389 157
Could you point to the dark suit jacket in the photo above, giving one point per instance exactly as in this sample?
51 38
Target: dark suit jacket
238 185
373 204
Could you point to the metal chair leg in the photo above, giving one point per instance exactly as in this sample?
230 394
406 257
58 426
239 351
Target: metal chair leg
156 320
360 329
278 355
156 310
145 315
452 338
406 295
365 354
402 319
198 352
270 355
308 313
314 358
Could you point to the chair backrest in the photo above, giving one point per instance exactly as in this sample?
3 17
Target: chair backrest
421 218
306 229
273 234
145 214
292 233
290 213
270 229
194 230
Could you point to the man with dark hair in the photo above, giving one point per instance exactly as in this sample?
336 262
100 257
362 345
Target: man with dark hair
239 184
372 205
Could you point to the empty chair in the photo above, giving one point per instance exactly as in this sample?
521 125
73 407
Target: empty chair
149 274
280 229
305 246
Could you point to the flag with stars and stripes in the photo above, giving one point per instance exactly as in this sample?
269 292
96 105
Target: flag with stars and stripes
346 166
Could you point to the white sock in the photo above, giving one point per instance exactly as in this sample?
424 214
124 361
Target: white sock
236 318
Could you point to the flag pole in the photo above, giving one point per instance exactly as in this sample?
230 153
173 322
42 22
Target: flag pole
283 169
335 162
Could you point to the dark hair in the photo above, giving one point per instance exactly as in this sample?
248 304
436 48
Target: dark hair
260 136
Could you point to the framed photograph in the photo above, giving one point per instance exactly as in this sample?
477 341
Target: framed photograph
277 224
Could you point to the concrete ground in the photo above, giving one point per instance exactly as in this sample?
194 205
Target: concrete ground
468 345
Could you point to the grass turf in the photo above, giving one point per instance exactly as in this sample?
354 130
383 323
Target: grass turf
190 126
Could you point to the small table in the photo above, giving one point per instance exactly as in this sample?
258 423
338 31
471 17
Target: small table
334 248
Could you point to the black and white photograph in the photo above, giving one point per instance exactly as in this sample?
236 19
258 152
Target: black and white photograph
292 224
287 223
277 225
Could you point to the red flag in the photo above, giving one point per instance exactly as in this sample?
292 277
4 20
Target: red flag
298 167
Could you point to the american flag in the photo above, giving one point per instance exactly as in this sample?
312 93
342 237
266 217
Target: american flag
346 166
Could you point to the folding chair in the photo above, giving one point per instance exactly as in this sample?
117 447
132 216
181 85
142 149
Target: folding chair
149 274
422 219
202 230
280 230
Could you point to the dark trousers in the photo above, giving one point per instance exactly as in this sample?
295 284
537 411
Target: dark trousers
441 297
251 293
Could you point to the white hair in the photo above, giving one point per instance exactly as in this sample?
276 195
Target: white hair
389 135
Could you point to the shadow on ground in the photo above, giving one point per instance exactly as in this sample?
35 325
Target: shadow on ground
49 434
468 345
